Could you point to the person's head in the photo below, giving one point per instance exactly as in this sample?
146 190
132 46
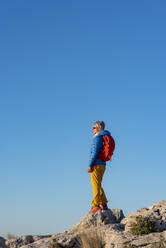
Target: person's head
98 126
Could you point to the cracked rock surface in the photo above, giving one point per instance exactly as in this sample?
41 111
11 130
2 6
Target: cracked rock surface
111 226
157 212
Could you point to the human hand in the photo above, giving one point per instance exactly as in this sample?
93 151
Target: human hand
89 170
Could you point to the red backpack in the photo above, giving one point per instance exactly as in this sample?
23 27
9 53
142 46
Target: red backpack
107 149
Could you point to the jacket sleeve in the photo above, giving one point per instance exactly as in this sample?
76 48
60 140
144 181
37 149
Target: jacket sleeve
96 148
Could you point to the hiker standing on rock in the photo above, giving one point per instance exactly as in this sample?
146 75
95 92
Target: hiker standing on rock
102 149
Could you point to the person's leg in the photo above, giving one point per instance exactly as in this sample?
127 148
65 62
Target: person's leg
96 180
103 199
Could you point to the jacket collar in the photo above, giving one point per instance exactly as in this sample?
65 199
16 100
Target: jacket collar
96 134
102 132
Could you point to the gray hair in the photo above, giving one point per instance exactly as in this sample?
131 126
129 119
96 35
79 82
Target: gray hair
100 124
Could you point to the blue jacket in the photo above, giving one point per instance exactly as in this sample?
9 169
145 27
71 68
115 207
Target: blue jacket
97 145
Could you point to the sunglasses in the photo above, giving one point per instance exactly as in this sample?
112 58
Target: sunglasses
94 127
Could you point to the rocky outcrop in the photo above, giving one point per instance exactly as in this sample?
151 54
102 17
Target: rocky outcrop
102 218
156 212
23 240
2 242
110 227
126 240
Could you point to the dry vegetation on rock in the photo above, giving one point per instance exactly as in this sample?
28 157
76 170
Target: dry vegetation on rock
145 227
91 240
142 226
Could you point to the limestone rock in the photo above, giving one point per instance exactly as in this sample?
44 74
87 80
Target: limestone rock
2 242
104 217
157 212
23 240
126 240
97 223
118 214
67 239
108 225
19 241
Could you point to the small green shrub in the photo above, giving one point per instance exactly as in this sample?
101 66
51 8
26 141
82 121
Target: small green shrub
143 225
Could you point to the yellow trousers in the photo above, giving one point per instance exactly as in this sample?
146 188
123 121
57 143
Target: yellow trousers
99 197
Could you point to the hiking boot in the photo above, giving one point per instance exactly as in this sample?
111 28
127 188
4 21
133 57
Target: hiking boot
94 210
104 207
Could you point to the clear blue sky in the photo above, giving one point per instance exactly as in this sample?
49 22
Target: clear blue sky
64 65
